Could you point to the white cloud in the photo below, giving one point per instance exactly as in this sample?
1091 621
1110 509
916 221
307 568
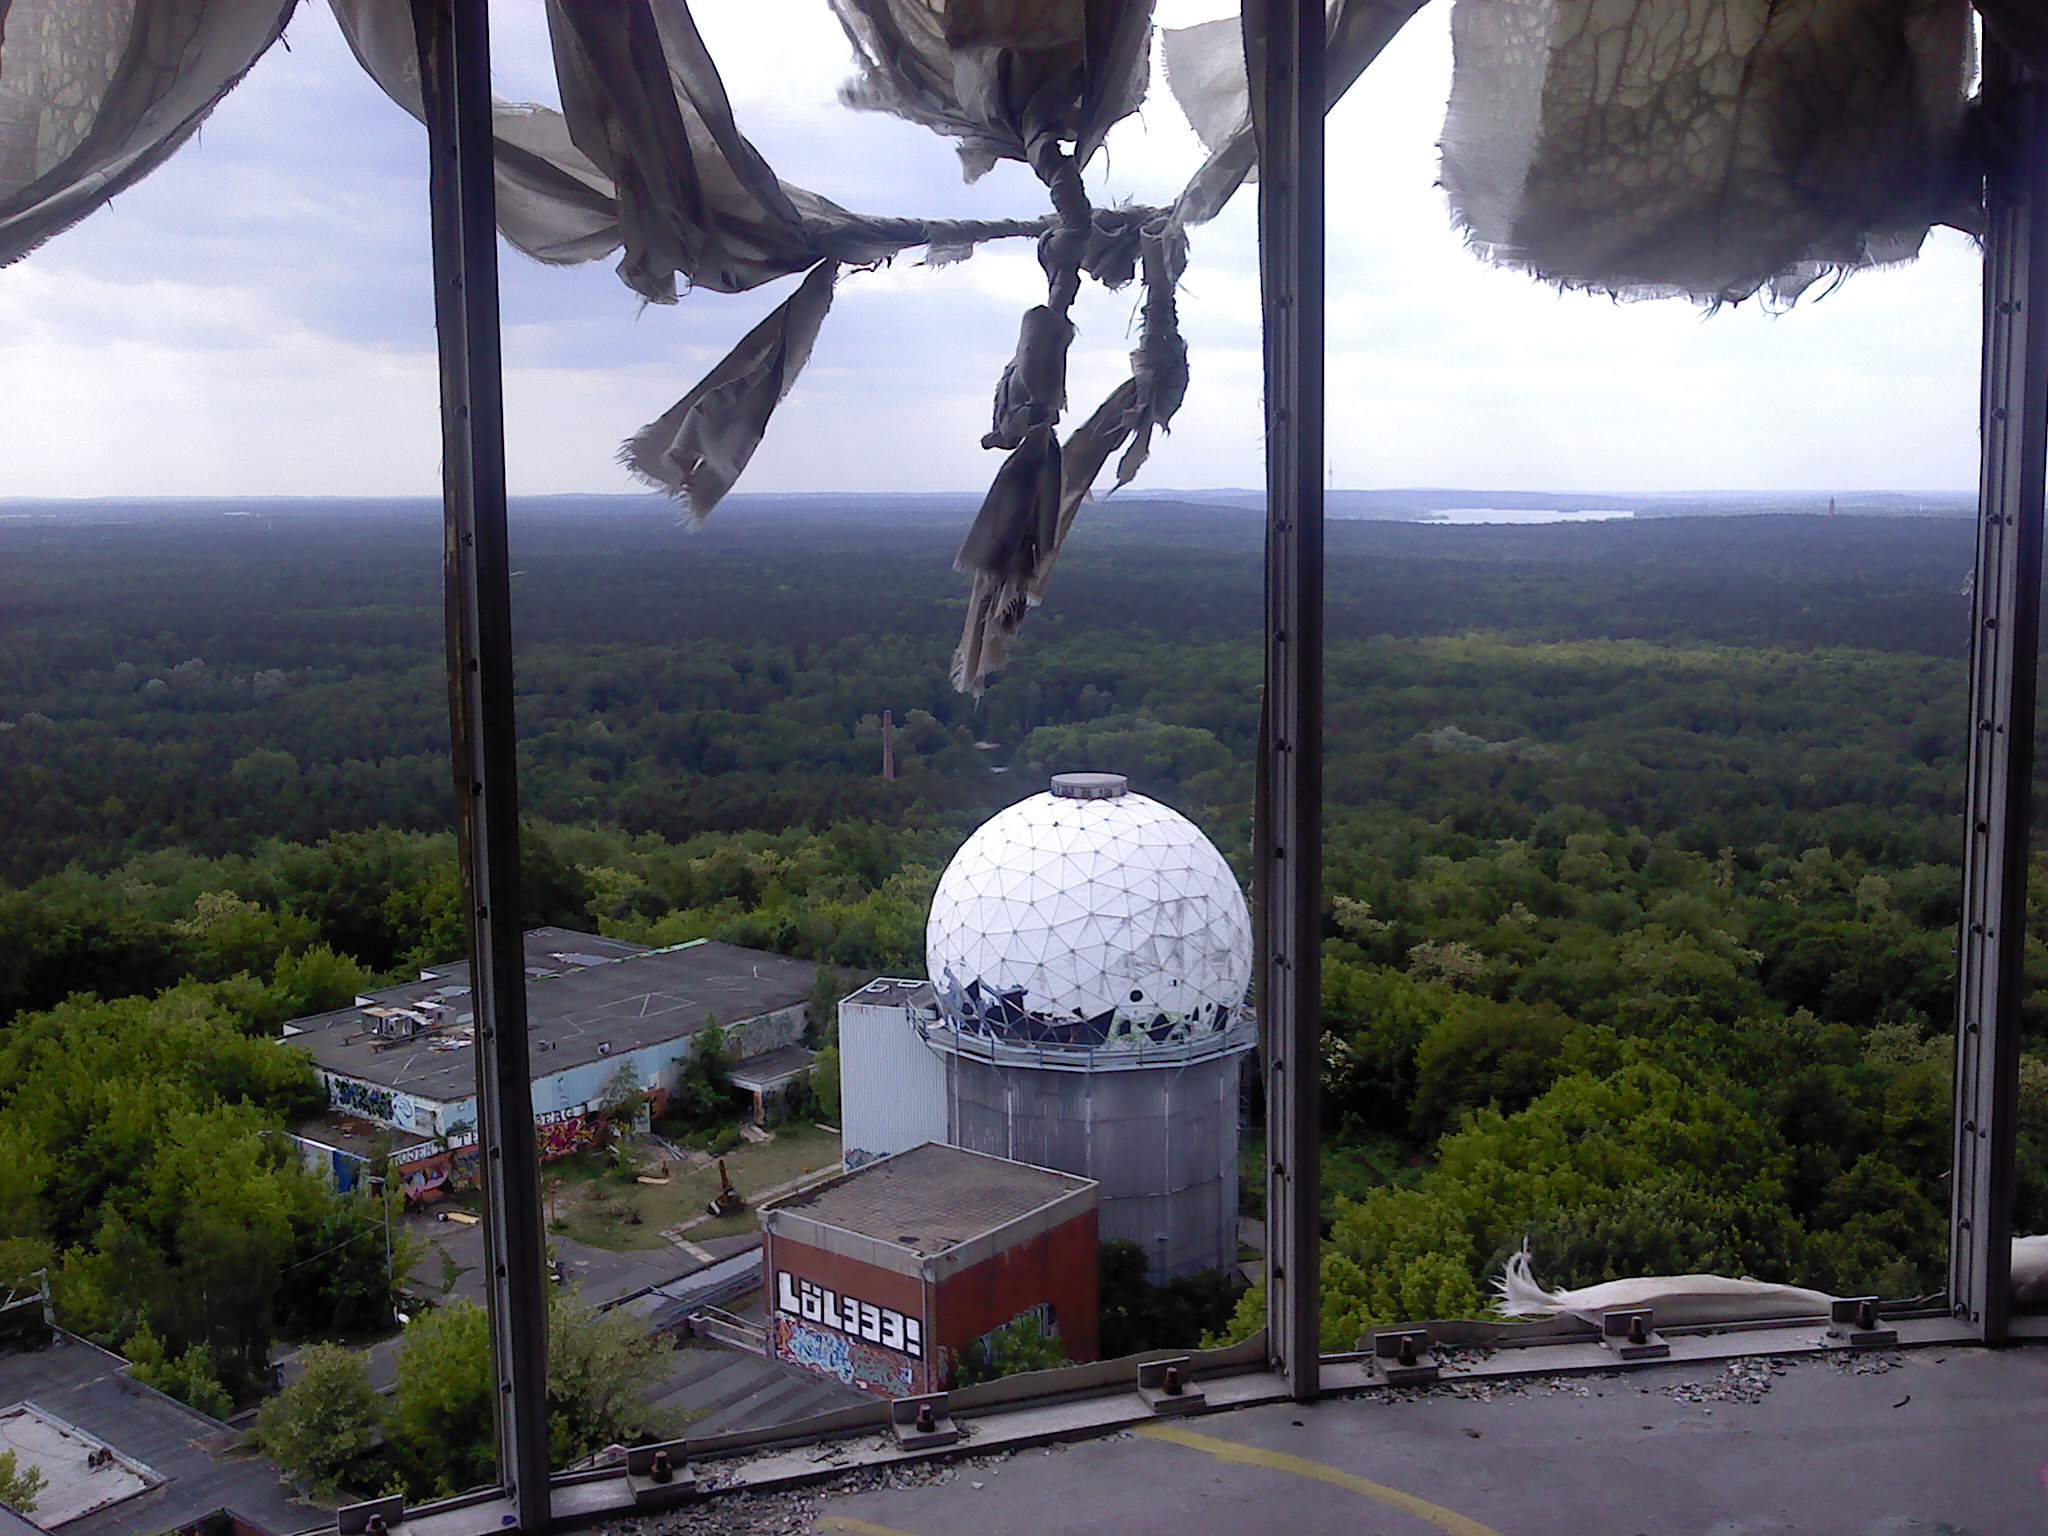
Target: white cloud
255 317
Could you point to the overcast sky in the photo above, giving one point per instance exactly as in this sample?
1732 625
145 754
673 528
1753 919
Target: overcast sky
254 319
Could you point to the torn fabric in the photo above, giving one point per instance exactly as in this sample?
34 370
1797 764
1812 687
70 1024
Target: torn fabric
1000 76
645 103
1704 148
553 203
96 94
1205 70
701 443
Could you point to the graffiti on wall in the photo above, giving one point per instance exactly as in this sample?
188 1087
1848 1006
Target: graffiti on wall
418 1180
851 1361
365 1099
563 1131
819 1304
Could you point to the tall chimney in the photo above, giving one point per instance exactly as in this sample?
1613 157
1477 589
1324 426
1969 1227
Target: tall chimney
889 744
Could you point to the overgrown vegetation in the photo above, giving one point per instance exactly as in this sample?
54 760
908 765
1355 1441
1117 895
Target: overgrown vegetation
437 1433
21 1487
1022 1344
1642 856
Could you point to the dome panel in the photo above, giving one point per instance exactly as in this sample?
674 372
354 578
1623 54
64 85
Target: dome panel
1084 902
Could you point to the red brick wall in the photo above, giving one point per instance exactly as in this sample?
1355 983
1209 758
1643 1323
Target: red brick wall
883 1287
834 1350
1057 1267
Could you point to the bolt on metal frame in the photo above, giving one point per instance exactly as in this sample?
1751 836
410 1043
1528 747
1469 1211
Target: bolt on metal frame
453 38
2004 659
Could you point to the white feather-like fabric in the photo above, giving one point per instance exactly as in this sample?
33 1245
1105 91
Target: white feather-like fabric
1677 1300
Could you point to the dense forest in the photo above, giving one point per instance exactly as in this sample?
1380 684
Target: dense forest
1642 852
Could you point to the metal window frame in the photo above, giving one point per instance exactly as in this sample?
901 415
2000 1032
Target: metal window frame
1285 45
453 40
2004 661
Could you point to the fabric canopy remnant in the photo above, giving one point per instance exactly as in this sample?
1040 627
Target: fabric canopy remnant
706 438
645 159
96 94
1705 148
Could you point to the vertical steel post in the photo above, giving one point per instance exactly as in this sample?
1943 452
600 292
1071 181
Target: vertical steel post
1284 47
2005 647
455 75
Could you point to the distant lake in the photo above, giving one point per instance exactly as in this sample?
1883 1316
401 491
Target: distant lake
1520 515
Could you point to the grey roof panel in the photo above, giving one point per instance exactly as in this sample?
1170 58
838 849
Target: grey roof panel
642 998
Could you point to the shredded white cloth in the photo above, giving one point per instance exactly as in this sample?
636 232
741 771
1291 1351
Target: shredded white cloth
2030 1270
1676 1300
96 94
1705 148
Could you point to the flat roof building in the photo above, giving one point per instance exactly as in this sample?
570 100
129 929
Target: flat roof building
602 1014
122 1459
883 1276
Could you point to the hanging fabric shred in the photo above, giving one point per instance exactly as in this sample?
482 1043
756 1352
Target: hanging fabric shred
645 103
96 94
1712 148
1206 71
1706 148
706 438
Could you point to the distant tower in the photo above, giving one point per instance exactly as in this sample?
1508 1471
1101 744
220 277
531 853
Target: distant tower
1089 951
889 744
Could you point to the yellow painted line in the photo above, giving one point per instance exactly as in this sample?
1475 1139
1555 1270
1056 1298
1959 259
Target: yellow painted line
855 1527
1447 1520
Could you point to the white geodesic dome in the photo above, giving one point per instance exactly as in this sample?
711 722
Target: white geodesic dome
1089 921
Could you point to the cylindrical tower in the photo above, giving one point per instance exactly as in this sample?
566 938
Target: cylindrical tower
1090 950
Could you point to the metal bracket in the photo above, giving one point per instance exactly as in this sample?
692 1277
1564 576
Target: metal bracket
660 1474
372 1517
1853 1323
922 1422
1401 1357
1631 1333
1167 1386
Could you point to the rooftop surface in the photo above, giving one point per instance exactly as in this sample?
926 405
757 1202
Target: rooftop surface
930 1198
591 999
194 1456
1927 1442
80 1472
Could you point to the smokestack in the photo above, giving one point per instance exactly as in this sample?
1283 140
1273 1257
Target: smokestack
889 744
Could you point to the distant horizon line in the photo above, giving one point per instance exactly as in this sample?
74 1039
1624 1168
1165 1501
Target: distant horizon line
1126 494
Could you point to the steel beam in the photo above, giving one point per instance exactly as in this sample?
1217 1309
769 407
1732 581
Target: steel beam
2005 647
455 75
1284 48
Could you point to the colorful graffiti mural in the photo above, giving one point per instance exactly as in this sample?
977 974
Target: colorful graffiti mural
364 1099
562 1132
851 1361
430 1168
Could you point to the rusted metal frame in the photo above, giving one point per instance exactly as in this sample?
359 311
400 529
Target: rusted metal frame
454 48
1285 42
2005 646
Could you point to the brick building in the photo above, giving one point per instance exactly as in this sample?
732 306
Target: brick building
881 1276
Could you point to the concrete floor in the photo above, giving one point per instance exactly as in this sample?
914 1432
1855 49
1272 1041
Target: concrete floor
1943 1442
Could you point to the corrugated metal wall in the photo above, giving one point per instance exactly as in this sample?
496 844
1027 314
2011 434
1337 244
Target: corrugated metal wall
1162 1142
892 1086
